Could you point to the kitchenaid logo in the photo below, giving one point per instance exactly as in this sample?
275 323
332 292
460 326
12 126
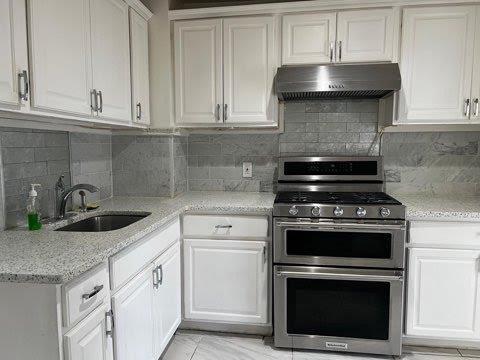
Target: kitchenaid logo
336 345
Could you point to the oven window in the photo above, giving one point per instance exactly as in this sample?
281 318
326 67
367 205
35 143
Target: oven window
339 244
354 309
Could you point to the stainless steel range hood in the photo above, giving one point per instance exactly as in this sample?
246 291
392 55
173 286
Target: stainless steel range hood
337 81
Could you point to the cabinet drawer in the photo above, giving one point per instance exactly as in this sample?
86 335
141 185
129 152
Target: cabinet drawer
445 234
84 294
129 262
225 226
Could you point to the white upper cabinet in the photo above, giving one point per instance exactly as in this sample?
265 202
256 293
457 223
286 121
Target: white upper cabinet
60 55
249 69
345 36
198 71
365 35
436 64
13 47
443 294
224 71
308 38
140 73
475 98
111 58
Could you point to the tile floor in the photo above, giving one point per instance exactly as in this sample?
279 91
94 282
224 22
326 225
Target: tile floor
196 345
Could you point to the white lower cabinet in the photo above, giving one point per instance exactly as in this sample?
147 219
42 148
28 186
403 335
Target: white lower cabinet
226 280
147 310
443 298
89 339
133 311
167 301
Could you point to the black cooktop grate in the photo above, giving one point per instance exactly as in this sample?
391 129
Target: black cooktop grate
322 197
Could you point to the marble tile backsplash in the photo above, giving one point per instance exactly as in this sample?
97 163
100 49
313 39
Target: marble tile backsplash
91 163
32 157
141 165
215 161
432 163
330 127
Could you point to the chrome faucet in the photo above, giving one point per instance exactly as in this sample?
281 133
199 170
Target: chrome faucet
62 202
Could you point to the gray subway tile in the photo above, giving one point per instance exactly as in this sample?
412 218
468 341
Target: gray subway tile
206 185
204 149
362 127
53 153
22 139
17 155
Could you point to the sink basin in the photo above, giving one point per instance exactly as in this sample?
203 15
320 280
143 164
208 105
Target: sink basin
102 223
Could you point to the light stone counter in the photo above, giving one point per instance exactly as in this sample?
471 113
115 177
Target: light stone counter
51 257
441 208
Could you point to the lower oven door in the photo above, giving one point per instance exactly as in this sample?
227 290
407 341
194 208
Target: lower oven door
377 244
352 310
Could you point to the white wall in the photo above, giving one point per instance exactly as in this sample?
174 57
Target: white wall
161 98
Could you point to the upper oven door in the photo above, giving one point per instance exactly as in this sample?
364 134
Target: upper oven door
328 243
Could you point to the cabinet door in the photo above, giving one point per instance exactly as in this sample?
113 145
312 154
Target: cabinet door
140 79
226 280
436 64
443 294
89 340
198 71
475 98
60 55
13 47
308 38
133 312
365 35
249 69
111 58
167 300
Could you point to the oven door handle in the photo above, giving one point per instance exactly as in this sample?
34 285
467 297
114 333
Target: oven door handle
339 226
338 276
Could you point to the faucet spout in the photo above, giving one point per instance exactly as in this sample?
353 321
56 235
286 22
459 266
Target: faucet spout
67 193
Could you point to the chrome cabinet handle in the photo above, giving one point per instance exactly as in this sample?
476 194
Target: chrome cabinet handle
139 111
95 291
160 274
23 85
475 108
223 226
217 112
109 330
155 277
466 109
333 276
264 254
339 51
100 95
332 47
94 100
225 115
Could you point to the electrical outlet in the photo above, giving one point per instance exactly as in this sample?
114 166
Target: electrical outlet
247 169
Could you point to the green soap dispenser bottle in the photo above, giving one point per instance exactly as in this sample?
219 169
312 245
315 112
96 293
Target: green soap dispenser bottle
33 209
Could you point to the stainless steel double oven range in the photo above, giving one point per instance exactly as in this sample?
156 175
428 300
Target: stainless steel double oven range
339 254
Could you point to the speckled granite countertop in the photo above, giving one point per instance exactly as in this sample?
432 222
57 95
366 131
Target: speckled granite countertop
51 257
441 208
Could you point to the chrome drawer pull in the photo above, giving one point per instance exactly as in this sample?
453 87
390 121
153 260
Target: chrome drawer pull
160 274
23 85
223 226
95 291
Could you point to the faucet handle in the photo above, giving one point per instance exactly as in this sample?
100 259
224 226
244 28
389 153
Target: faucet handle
83 201
60 184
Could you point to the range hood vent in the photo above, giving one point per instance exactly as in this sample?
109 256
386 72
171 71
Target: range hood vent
370 81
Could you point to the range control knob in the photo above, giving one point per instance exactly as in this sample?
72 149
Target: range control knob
315 211
361 212
338 211
384 212
293 210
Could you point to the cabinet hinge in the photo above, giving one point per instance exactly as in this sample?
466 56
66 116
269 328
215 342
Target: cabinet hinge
110 323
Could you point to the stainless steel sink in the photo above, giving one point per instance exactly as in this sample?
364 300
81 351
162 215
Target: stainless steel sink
102 223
